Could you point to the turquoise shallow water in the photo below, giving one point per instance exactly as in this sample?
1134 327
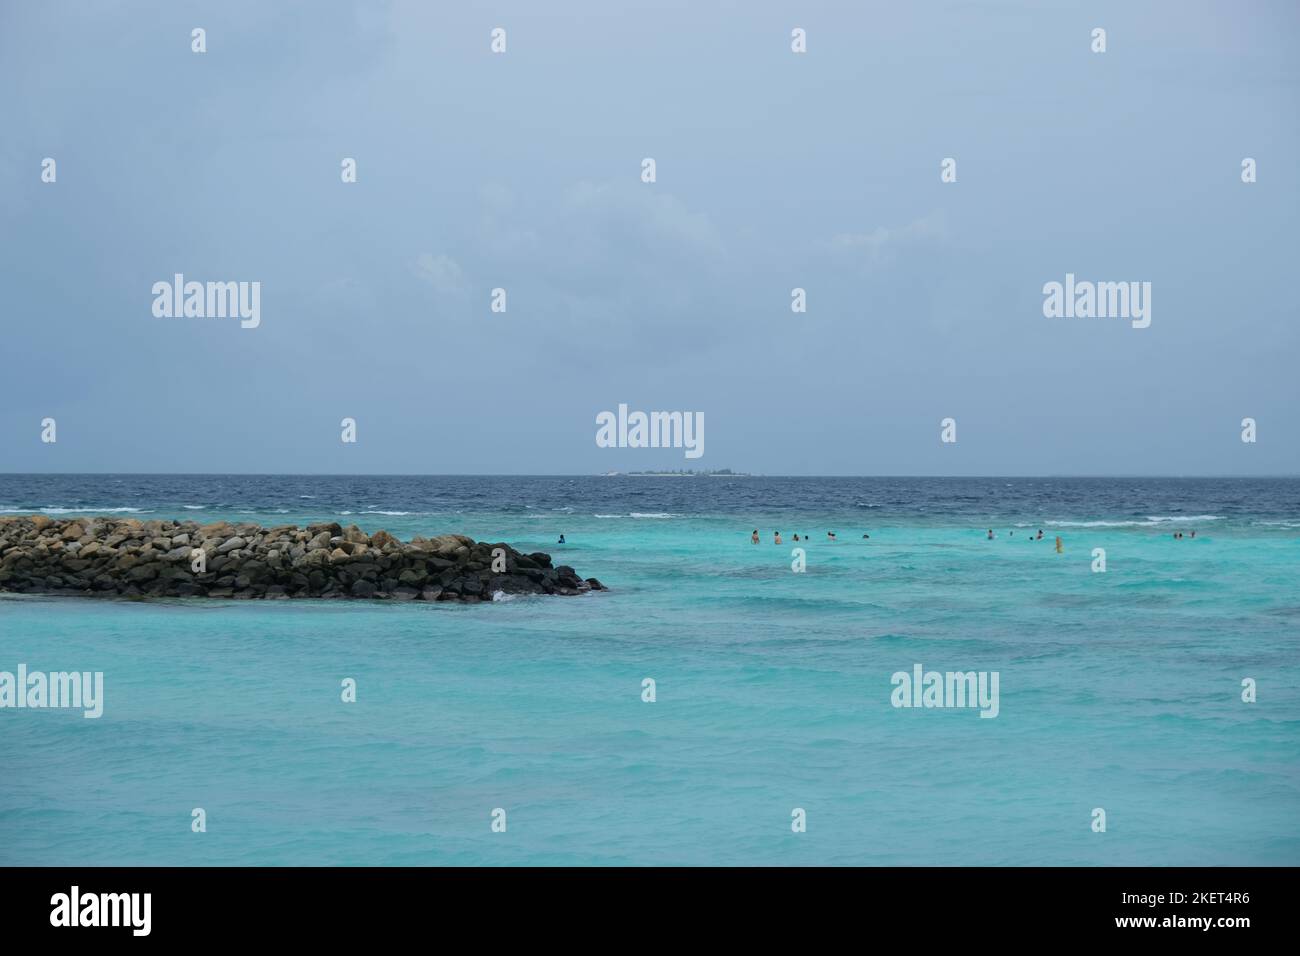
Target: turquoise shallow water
1118 690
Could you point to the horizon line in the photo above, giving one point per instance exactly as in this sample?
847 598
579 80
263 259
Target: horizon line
733 474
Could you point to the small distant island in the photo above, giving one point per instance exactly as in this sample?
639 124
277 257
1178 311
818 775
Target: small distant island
679 473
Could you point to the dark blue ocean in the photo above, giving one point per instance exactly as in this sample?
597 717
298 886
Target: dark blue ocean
1118 690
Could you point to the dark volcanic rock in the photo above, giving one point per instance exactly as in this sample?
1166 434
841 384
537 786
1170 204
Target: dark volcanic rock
158 558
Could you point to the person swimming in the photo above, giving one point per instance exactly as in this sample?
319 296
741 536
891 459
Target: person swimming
1040 534
561 541
1058 544
796 535
778 537
754 537
830 535
866 536
990 534
1193 533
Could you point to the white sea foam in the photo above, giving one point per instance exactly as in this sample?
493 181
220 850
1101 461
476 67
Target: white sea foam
1151 522
641 514
194 507
1099 524
52 510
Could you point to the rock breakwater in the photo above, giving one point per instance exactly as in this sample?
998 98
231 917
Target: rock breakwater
133 558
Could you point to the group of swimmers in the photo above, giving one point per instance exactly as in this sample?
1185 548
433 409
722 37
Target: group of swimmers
776 536
1012 534
1060 548
830 536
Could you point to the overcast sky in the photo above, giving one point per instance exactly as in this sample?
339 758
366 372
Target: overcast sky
775 170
